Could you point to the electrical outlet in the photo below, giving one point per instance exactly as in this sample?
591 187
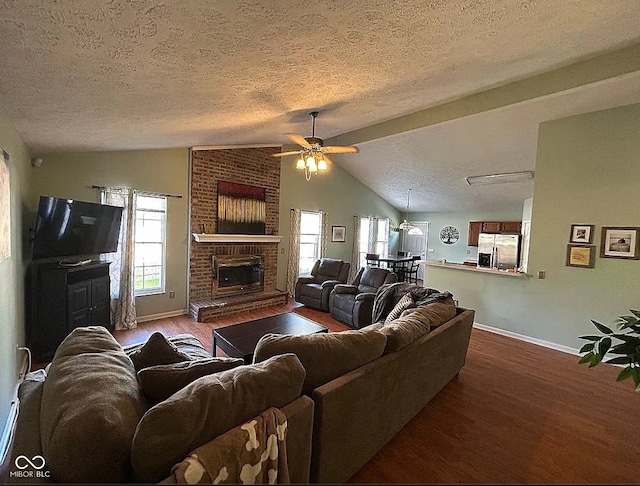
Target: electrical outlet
542 274
468 252
172 294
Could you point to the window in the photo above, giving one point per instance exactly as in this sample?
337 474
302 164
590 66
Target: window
150 237
310 233
380 246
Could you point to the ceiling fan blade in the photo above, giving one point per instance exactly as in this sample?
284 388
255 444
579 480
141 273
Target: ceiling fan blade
340 149
298 139
283 154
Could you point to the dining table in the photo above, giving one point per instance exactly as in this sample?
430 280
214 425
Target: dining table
397 264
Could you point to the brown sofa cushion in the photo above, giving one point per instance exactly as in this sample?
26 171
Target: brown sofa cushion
160 382
325 356
157 351
91 404
415 323
208 407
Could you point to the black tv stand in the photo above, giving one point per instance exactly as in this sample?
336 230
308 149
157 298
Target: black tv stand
62 298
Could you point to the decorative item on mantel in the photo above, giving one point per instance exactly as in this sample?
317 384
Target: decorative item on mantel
207 228
242 209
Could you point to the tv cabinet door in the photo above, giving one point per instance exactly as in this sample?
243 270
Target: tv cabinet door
78 305
101 302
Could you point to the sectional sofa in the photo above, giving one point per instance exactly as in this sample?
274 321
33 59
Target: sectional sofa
344 396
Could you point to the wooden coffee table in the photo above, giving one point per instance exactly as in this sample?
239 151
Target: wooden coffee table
239 340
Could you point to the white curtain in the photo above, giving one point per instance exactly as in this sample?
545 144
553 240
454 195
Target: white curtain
355 252
324 232
121 270
373 235
293 265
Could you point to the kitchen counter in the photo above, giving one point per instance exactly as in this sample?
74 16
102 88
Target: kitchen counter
469 268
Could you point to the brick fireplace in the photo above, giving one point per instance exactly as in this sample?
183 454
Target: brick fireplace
253 166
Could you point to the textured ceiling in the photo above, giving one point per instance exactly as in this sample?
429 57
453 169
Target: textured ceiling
114 75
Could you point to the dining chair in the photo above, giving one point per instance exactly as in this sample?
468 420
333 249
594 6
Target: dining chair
373 259
411 274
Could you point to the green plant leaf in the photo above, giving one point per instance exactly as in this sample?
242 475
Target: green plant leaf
591 338
586 358
619 360
636 313
627 338
587 347
636 376
604 346
625 373
595 360
602 328
623 348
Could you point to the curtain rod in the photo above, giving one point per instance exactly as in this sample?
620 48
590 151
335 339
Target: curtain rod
141 192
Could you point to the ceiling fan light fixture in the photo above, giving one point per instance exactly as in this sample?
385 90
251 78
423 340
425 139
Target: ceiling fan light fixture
311 156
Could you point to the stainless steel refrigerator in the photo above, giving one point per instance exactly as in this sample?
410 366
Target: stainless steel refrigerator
501 252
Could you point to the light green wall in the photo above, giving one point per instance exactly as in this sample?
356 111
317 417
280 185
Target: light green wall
166 171
339 194
457 252
12 270
587 171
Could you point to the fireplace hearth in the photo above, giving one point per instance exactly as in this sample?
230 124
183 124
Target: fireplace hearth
237 274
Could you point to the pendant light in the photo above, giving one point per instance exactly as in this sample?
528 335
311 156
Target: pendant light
405 225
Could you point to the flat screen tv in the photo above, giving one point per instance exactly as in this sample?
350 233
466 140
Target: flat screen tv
68 228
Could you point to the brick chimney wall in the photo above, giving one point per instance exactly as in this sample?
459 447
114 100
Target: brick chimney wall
253 166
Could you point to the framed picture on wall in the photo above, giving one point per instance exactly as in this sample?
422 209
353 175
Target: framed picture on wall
581 256
620 242
581 233
338 234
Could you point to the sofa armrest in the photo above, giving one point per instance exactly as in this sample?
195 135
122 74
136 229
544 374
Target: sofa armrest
299 435
345 289
306 279
329 284
365 296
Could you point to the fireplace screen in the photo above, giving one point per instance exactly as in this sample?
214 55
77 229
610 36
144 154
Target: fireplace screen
237 274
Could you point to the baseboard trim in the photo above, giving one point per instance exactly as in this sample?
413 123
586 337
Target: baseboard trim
10 424
163 315
528 339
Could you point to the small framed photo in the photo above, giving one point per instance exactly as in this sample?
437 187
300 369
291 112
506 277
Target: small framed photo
581 256
620 242
581 233
338 234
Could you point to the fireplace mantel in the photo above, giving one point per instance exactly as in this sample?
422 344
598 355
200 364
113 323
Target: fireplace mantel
223 238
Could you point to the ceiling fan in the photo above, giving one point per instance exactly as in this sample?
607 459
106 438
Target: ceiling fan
313 156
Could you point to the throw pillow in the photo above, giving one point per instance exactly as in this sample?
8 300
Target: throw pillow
157 351
161 381
208 407
325 356
436 313
404 303
91 405
415 323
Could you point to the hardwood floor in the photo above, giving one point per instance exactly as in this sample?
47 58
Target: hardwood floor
517 413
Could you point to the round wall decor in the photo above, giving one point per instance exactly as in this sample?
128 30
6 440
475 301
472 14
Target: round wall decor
449 235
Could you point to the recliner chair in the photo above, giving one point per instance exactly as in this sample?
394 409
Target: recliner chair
314 290
353 304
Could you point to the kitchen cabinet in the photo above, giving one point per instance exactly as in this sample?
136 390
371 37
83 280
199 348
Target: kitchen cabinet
475 228
496 227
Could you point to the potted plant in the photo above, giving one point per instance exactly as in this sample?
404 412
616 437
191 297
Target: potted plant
626 347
